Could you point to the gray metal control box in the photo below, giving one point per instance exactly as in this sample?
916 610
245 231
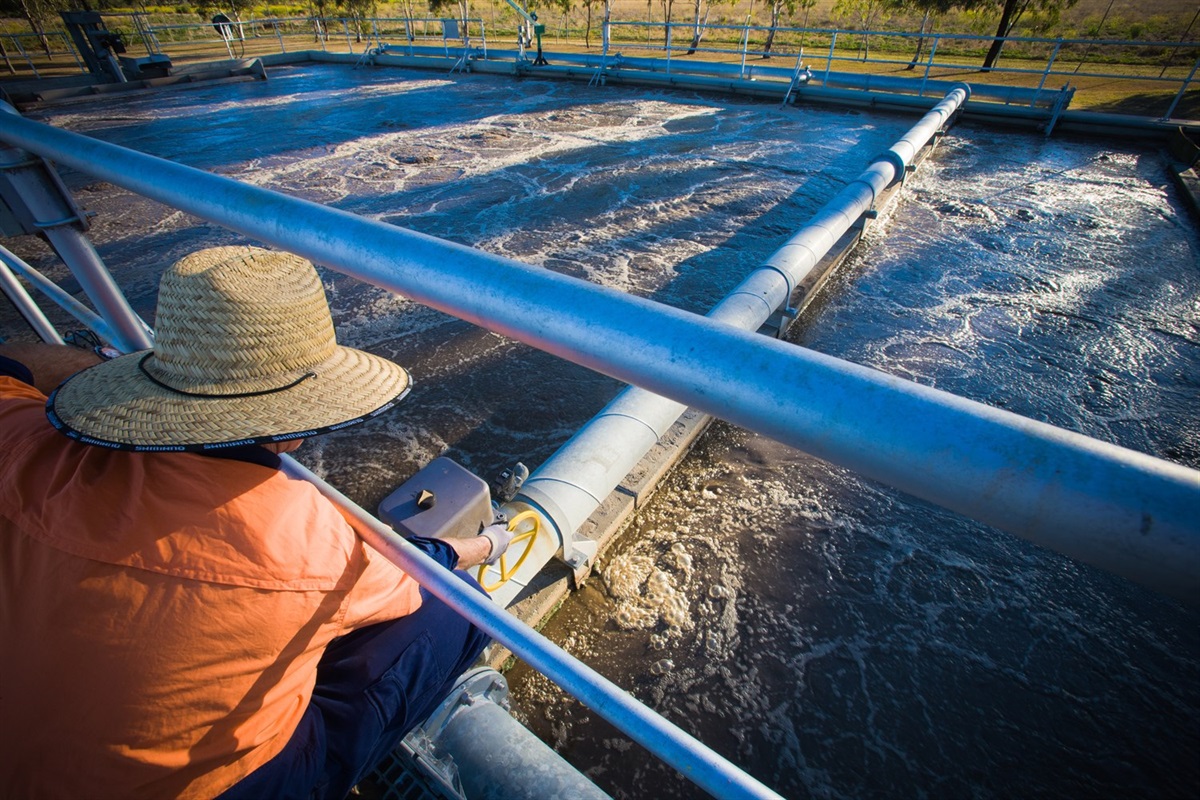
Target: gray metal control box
442 501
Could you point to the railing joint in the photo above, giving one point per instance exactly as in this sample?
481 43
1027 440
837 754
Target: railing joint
59 223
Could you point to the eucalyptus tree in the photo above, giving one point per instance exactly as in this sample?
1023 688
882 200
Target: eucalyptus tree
358 12
1011 12
588 7
866 14
777 9
929 8
40 14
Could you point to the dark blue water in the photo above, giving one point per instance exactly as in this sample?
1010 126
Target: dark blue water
839 639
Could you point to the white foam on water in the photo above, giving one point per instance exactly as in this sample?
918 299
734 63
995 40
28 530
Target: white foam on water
836 638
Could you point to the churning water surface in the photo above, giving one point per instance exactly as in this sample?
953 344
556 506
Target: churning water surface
834 637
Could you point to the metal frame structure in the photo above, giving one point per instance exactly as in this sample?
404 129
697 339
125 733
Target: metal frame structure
282 28
1124 511
1120 510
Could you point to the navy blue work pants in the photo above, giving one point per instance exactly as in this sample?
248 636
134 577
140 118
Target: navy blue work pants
373 686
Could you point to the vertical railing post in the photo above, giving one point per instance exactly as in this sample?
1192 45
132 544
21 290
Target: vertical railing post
668 43
28 60
141 23
279 36
929 64
829 58
745 44
346 29
1046 72
1186 82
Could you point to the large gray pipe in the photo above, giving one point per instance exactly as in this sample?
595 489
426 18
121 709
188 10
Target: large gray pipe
57 219
1117 509
497 758
573 482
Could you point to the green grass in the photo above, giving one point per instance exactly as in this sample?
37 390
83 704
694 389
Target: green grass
957 60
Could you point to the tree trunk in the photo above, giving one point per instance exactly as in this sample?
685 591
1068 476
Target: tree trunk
604 28
776 7
1008 18
587 30
695 28
920 43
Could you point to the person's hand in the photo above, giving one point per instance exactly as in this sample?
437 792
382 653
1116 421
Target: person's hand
500 537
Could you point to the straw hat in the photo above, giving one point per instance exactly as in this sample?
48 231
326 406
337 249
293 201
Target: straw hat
245 353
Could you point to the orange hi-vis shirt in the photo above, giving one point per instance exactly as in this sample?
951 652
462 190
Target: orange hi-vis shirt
162 614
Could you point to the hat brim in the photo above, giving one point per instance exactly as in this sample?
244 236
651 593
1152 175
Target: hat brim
115 405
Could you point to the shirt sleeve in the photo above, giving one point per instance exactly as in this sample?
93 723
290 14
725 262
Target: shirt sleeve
11 368
437 549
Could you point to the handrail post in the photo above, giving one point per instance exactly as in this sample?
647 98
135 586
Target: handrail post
745 45
929 65
28 60
1046 72
1183 88
67 46
829 59
668 44
320 33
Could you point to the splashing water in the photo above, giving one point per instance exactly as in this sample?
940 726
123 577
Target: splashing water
834 637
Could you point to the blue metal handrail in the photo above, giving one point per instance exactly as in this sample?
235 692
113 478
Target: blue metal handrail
692 758
1120 510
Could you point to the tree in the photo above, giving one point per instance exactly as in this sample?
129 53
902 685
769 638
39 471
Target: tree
205 9
360 10
588 6
930 8
319 10
667 5
698 23
37 13
1011 14
777 9
865 13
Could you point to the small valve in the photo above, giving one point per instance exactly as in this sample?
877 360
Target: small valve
506 485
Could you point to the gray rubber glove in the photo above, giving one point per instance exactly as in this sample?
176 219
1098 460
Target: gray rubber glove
499 536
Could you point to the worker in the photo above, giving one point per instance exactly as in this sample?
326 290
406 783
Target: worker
179 617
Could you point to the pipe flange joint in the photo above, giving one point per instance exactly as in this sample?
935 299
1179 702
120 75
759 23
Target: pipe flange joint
966 87
893 158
